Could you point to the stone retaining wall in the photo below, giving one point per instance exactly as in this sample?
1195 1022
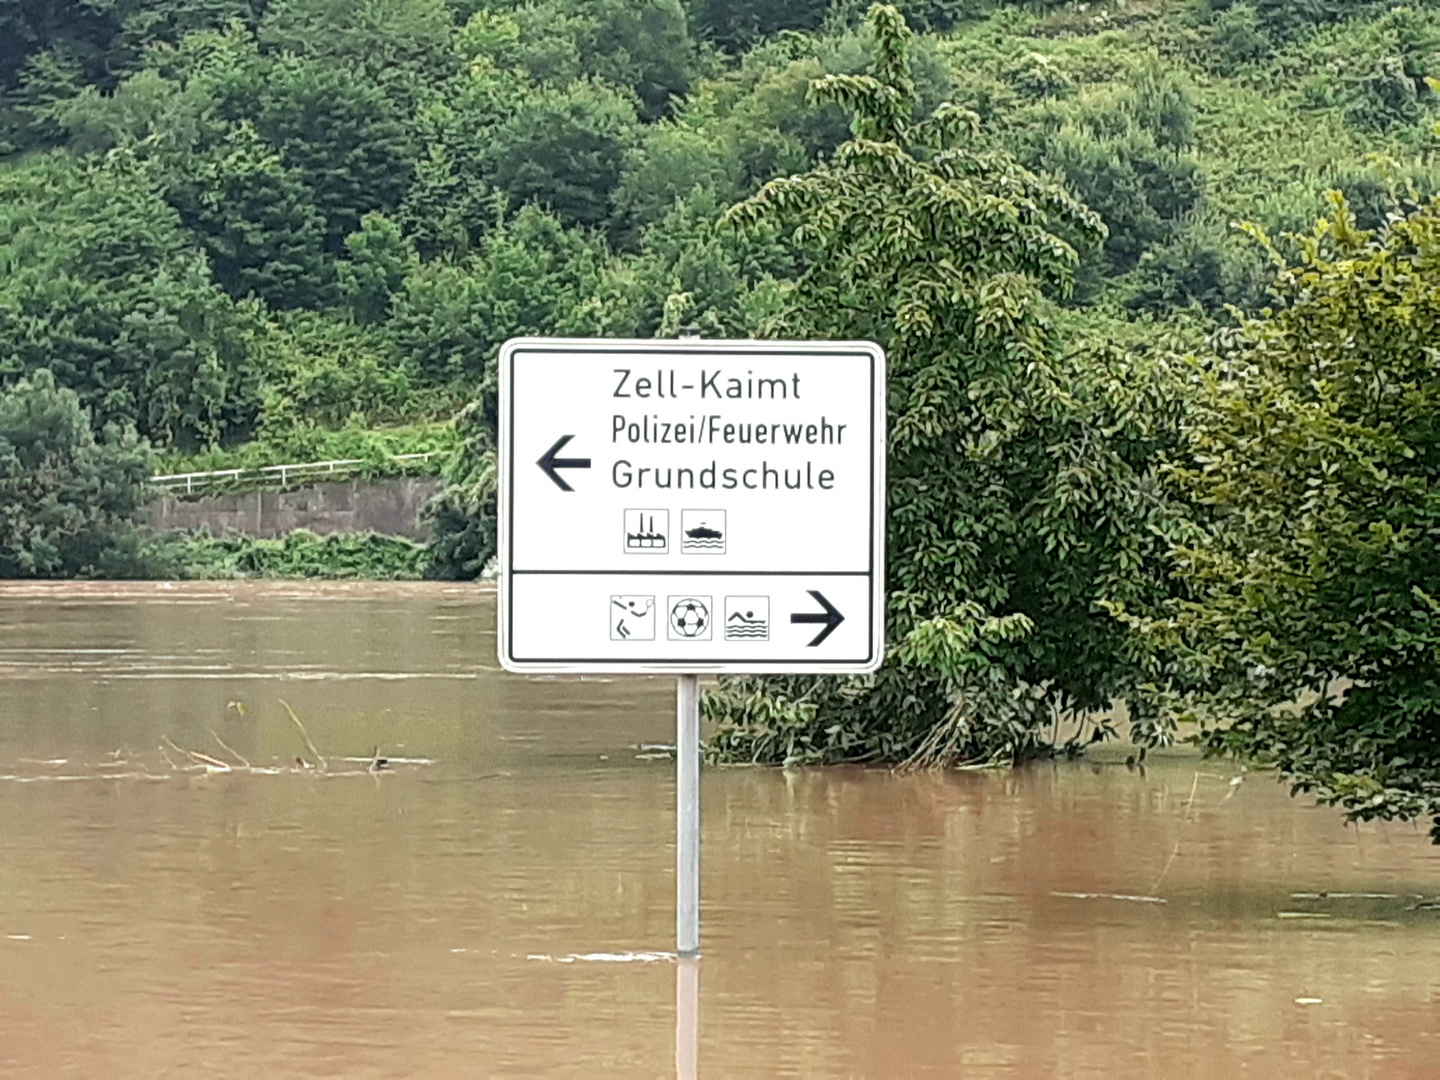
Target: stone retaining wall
382 506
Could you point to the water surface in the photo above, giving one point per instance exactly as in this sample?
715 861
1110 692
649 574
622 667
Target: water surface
498 900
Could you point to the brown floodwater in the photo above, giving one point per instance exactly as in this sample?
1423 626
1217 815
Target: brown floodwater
498 900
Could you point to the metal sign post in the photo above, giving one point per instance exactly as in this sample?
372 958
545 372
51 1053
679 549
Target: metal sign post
691 507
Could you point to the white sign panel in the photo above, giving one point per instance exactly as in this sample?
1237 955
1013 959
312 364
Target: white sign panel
691 505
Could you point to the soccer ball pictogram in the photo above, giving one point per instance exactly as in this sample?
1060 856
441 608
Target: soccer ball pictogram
689 617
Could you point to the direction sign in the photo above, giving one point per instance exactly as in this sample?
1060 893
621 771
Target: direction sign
691 505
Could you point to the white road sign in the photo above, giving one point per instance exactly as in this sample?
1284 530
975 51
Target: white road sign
691 505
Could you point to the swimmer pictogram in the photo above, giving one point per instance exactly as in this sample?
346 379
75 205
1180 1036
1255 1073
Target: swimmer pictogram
747 618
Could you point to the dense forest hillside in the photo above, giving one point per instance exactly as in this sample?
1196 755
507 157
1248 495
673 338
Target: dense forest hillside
230 220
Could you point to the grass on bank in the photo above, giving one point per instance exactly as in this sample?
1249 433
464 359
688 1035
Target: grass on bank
300 554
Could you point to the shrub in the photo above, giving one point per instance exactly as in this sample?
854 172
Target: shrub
67 498
1313 452
300 554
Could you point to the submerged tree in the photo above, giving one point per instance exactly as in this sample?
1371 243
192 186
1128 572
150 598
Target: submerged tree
1314 449
1019 485
67 499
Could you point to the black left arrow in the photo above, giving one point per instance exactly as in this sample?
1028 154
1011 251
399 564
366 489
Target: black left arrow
549 462
831 617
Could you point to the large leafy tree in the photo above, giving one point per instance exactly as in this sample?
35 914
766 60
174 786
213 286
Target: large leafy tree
378 35
1313 449
1019 487
257 219
733 24
565 148
530 276
103 287
641 44
67 498
340 130
51 49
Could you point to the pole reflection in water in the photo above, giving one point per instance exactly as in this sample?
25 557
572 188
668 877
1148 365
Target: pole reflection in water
687 1019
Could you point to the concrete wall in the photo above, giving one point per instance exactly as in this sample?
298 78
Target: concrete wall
382 506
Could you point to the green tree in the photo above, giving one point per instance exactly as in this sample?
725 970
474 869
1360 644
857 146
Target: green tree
462 518
1313 451
735 24
320 372
51 50
1019 484
450 202
257 219
1289 18
565 149
640 44
670 164
530 276
1125 157
67 499
375 35
104 287
380 259
340 130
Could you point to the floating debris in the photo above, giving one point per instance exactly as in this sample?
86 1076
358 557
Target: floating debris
175 761
604 958
1111 896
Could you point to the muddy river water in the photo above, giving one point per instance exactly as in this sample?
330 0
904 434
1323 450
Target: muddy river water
192 885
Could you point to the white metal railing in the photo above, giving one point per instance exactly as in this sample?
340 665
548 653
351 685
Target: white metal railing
192 482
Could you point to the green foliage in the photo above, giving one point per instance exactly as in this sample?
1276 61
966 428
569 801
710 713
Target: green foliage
320 372
343 132
530 276
1313 450
1198 268
377 447
735 24
1019 478
462 518
67 498
643 45
300 554
380 259
564 147
671 163
258 221
1289 18
51 50
1394 90
1124 155
379 35
102 287
1237 37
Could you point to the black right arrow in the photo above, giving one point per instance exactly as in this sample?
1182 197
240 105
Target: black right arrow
831 618
549 462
